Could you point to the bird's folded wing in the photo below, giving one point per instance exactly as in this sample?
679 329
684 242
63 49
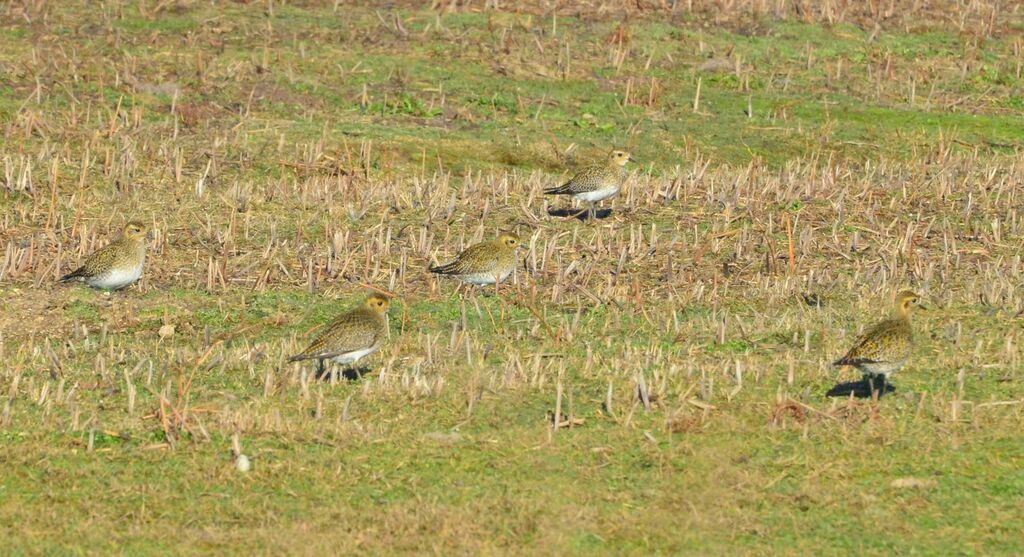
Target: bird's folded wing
884 342
473 256
101 260
584 181
341 337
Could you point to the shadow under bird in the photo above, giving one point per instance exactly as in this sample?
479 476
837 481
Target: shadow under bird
882 350
484 263
594 184
351 336
116 265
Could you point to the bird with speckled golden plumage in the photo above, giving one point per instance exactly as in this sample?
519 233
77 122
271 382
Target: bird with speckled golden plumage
116 265
883 349
485 263
596 183
351 336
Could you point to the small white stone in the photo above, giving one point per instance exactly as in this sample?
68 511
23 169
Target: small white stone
242 463
166 331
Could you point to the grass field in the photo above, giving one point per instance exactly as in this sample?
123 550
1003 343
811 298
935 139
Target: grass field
800 163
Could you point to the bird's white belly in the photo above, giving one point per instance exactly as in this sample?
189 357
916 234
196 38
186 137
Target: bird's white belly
484 279
881 368
354 356
116 279
597 195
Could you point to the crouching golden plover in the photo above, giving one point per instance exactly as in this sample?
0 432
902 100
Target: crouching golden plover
484 263
351 336
884 348
594 184
116 265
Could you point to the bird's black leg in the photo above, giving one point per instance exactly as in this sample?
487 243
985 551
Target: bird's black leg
353 372
877 385
884 386
871 381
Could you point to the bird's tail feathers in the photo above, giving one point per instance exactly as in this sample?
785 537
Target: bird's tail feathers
445 269
73 275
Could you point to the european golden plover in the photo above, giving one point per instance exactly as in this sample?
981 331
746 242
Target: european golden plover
594 184
351 336
883 349
116 265
484 263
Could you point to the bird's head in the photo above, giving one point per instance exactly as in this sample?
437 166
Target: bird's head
377 303
907 300
509 239
134 230
620 158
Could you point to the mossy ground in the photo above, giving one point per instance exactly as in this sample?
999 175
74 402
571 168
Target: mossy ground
290 156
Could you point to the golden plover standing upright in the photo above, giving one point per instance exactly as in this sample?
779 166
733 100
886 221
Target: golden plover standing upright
484 263
883 349
116 265
351 336
594 184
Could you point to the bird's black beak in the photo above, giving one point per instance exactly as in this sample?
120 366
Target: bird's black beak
631 159
921 306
